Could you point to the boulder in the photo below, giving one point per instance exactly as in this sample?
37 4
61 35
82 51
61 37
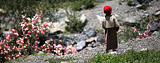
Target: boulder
40 52
80 45
138 6
89 48
59 26
83 18
132 19
157 13
100 18
154 26
61 13
91 39
91 32
135 2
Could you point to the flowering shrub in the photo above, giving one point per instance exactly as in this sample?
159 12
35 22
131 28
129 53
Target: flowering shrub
138 35
16 45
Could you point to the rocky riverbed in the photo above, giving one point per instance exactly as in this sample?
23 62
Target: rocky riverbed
149 43
122 12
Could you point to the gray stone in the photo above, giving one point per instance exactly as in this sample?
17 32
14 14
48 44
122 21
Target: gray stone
138 6
135 2
89 48
132 19
91 32
80 45
155 33
122 0
89 45
154 26
157 13
83 18
40 52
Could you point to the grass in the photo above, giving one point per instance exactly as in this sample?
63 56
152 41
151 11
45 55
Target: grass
130 3
128 57
77 5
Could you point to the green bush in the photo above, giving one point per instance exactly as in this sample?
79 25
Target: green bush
88 4
74 24
84 4
130 3
128 57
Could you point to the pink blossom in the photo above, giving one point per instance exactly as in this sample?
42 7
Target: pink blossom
16 34
5 51
29 32
25 49
25 37
138 37
23 16
43 50
28 19
13 29
1 42
135 30
36 41
148 26
0 47
140 34
26 29
41 32
41 11
35 49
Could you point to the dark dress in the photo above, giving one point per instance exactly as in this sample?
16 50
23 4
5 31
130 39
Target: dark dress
111 38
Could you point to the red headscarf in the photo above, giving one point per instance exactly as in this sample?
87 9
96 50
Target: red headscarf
107 10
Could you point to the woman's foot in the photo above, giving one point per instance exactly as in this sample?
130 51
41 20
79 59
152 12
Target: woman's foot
107 51
114 50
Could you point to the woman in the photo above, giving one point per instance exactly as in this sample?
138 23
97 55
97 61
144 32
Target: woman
111 26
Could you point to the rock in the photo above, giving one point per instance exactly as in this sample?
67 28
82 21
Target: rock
156 19
40 52
113 53
58 26
89 48
100 38
64 62
122 0
135 2
3 11
155 33
154 26
144 1
157 13
138 6
116 15
80 45
83 18
91 39
5 33
61 13
89 45
96 44
144 49
100 18
132 19
91 32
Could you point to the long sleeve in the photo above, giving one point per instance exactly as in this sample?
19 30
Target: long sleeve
103 24
116 24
